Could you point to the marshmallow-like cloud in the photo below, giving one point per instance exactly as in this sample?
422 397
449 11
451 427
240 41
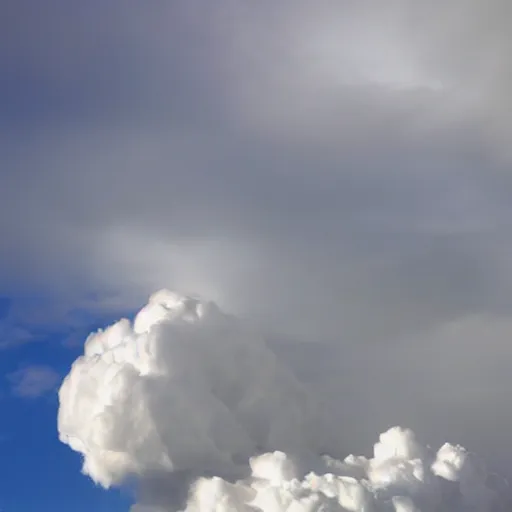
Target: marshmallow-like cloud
402 476
185 388
186 392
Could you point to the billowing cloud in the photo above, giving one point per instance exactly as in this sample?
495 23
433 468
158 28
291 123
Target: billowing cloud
331 171
185 389
187 392
33 381
402 476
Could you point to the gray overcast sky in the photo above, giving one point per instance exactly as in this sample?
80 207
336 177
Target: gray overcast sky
335 171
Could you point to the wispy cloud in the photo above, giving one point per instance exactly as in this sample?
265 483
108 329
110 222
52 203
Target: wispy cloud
33 381
13 336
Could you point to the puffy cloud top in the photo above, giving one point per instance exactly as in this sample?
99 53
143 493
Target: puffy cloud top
185 387
395 479
186 392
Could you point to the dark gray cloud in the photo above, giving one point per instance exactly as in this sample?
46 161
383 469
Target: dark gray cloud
333 171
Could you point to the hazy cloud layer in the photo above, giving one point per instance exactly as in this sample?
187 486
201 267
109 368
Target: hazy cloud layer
332 150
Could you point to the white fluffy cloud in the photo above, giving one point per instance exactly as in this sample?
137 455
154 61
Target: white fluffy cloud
331 170
186 388
187 392
402 476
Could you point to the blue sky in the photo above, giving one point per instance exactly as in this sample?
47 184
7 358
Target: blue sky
334 173
29 437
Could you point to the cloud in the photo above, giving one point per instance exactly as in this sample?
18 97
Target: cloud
402 476
33 381
346 71
201 392
187 392
332 172
246 162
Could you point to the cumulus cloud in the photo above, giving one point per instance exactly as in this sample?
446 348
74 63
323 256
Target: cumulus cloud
187 392
33 381
402 476
331 171
200 391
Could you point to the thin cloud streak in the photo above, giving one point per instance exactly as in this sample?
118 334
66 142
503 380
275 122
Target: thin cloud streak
33 381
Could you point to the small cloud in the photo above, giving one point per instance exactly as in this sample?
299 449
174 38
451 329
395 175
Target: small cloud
13 336
33 381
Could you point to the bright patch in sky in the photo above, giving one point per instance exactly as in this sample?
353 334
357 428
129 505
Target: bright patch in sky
361 55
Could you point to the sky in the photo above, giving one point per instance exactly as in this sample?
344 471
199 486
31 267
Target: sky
336 174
